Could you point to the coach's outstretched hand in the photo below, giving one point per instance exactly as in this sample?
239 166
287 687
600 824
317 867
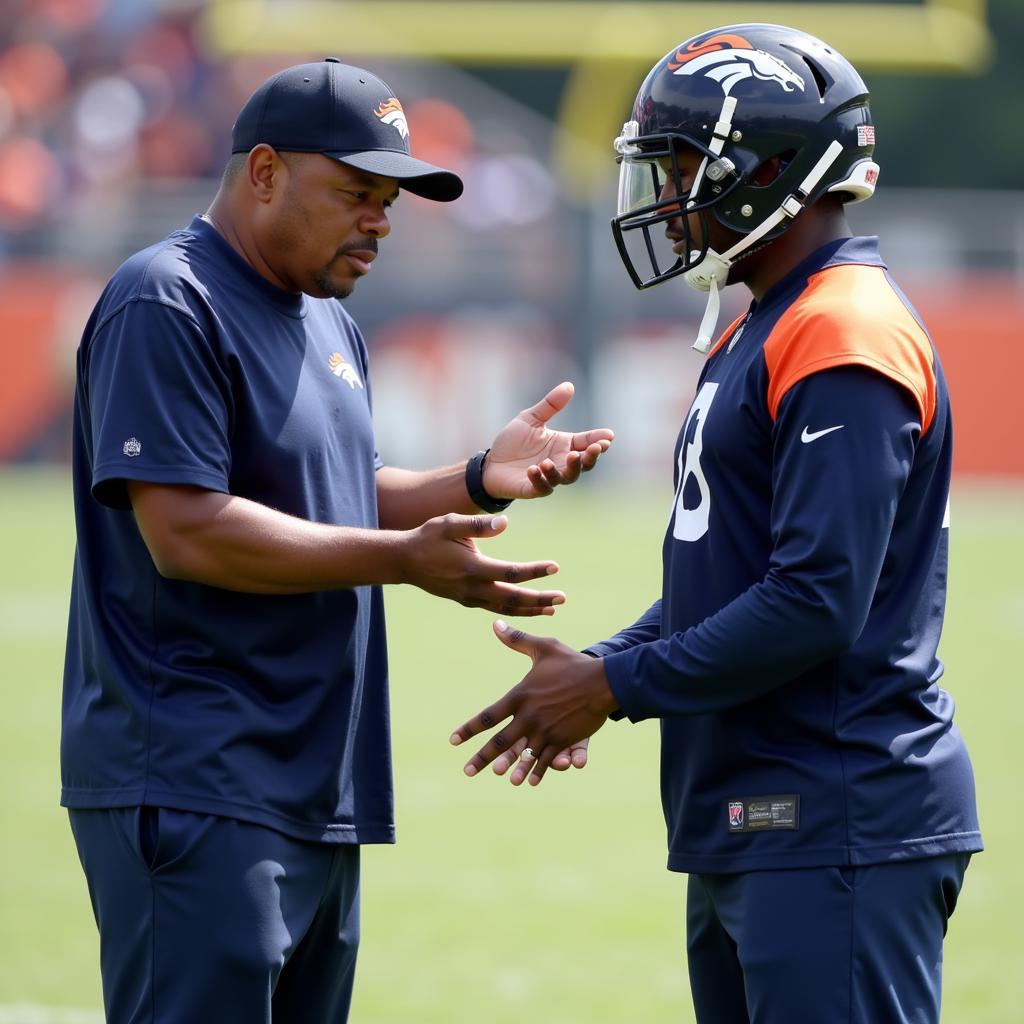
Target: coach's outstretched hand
561 701
441 557
527 460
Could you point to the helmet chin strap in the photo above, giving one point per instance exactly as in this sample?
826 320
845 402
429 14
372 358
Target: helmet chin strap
710 274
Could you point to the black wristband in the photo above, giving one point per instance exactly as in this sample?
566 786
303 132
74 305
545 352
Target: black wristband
475 486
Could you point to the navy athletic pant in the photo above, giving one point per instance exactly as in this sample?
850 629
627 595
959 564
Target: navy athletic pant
850 945
209 920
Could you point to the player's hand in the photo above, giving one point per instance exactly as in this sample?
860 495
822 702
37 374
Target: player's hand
441 557
527 460
574 756
562 700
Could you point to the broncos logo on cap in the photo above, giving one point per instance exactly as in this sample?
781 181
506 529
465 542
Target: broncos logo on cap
730 59
390 112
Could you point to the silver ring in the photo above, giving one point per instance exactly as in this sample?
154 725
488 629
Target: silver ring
528 754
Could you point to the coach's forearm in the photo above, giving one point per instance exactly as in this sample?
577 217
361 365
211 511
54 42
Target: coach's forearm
225 541
407 498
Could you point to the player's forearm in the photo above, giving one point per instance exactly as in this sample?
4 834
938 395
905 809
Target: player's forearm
766 637
225 541
645 630
407 498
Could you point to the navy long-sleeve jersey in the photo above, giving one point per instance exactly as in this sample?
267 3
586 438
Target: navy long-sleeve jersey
792 657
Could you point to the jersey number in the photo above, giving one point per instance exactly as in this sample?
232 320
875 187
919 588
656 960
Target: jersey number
692 523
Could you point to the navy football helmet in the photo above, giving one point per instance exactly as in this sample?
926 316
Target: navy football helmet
739 95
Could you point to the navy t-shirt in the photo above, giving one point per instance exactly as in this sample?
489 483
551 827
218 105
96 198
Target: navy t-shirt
792 656
195 370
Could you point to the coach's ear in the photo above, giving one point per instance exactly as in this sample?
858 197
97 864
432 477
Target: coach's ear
264 169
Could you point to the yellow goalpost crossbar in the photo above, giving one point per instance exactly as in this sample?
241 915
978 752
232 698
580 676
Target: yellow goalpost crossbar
930 35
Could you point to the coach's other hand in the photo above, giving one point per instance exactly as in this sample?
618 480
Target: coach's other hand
441 558
527 460
561 701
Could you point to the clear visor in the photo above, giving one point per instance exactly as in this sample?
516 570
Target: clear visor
640 184
642 172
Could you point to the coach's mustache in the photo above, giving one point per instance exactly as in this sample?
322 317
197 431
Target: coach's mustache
368 244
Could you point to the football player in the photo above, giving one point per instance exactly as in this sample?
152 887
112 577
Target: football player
815 787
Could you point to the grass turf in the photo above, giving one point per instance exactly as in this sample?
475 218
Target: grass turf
499 903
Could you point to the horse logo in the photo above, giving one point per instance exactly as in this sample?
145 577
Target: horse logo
730 59
342 368
390 112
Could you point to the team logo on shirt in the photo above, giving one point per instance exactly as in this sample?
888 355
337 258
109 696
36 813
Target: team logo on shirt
132 447
729 59
735 814
342 368
390 112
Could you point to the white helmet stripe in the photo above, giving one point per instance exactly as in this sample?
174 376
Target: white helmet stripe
718 140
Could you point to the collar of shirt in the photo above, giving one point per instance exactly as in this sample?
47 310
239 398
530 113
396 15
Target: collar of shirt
290 303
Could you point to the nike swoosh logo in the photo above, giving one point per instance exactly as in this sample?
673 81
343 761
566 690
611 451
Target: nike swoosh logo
807 436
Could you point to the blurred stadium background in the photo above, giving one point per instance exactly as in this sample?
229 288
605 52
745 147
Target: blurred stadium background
115 117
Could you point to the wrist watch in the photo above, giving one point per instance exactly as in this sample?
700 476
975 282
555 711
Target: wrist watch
475 485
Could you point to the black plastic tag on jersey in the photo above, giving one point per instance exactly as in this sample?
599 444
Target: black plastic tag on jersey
764 813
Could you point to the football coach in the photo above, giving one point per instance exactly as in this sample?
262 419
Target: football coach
225 746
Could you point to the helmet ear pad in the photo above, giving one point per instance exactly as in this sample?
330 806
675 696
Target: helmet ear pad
767 172
761 177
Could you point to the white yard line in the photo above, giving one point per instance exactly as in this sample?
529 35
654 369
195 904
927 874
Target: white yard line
32 1013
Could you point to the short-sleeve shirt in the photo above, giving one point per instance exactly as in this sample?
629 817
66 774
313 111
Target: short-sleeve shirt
793 655
195 370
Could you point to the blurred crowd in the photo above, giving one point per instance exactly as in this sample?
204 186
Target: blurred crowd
95 94
99 95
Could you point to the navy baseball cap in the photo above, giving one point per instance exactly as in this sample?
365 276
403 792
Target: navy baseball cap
343 112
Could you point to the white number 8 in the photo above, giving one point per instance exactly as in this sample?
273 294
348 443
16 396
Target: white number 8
692 523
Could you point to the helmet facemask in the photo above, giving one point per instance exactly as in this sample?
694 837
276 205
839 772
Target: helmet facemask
645 207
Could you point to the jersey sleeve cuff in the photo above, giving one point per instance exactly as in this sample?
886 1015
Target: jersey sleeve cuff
601 651
621 671
108 480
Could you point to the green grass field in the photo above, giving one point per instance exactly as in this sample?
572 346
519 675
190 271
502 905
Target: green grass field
500 904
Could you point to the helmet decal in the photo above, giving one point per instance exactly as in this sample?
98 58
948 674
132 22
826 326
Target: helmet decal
730 59
701 46
390 112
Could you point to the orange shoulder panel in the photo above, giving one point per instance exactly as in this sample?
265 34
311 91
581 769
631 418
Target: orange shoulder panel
727 334
851 315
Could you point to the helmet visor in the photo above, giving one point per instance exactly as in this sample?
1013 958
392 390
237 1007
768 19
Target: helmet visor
640 180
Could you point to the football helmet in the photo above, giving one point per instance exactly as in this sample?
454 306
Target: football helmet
739 95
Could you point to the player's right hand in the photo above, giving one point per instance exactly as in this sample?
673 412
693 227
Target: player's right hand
441 557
